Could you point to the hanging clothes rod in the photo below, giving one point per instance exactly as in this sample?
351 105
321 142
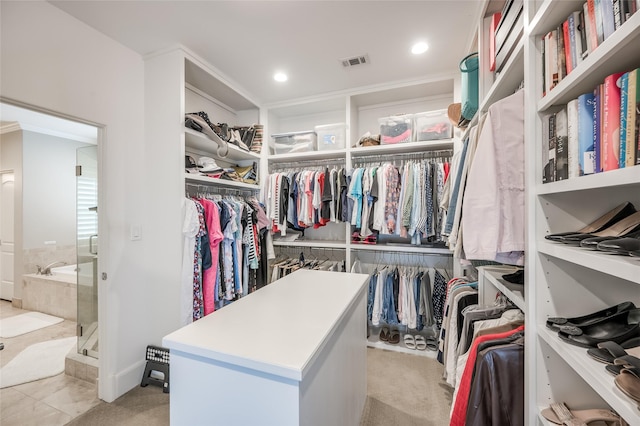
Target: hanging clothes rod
376 158
221 190
306 163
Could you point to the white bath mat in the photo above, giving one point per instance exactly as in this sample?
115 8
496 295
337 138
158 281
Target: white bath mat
38 361
25 323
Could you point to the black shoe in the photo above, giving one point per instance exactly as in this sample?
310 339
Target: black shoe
621 245
555 323
600 224
616 328
619 229
515 278
610 242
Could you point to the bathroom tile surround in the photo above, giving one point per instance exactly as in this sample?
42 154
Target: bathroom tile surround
43 256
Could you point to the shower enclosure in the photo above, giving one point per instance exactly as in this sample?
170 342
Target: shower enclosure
87 249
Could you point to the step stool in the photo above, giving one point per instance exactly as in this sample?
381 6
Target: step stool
157 360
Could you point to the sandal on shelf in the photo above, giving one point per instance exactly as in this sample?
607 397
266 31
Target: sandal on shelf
607 352
384 334
560 414
421 342
623 210
629 362
555 323
394 337
432 344
409 341
628 381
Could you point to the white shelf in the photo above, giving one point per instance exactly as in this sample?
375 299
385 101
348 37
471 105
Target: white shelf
191 178
619 177
594 373
617 53
509 79
402 248
545 18
311 243
199 141
312 155
402 148
494 275
625 267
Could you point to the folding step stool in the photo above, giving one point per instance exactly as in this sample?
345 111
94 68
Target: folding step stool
157 360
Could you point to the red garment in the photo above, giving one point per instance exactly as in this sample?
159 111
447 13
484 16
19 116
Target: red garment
212 219
459 414
446 172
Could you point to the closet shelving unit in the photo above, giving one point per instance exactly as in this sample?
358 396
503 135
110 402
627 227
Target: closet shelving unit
568 281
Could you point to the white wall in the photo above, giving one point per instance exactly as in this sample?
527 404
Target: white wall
51 60
49 188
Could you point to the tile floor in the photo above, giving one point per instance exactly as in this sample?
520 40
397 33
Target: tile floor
48 402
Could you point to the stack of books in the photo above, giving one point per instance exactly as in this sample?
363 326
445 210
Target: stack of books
565 47
597 132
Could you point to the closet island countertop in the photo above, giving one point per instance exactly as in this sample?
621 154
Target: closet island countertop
278 329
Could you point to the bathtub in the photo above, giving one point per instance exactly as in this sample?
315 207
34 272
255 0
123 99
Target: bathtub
66 270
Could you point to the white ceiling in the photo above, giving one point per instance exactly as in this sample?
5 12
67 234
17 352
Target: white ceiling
249 40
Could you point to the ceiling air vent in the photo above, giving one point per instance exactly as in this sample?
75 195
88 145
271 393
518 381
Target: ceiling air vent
356 60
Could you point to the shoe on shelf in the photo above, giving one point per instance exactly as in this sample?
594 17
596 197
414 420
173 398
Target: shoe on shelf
554 323
409 341
603 222
384 334
560 414
607 352
622 228
628 381
616 328
611 243
620 245
635 253
394 337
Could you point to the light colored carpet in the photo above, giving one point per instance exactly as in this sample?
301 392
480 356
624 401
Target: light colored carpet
26 323
402 390
38 361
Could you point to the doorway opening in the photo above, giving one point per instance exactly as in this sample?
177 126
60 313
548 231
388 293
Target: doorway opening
53 162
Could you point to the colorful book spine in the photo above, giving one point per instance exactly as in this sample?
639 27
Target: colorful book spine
633 118
597 112
593 25
617 13
624 90
573 147
610 137
576 37
586 155
562 63
568 55
599 27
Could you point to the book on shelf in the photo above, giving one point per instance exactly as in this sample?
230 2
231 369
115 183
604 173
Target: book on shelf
610 136
562 152
548 148
624 104
592 26
562 63
573 145
633 118
581 36
551 59
589 26
597 125
599 23
568 53
543 71
608 21
586 156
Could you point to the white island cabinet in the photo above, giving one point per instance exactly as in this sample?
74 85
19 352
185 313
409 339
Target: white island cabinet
292 353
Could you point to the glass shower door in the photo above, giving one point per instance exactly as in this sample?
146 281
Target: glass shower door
87 249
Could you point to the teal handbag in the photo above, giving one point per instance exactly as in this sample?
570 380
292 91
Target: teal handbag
469 83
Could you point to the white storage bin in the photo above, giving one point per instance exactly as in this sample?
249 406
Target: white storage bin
285 143
396 129
432 125
331 136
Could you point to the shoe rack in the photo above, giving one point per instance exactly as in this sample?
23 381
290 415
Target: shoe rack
563 280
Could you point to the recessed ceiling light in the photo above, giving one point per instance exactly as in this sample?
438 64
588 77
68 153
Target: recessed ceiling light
280 76
419 48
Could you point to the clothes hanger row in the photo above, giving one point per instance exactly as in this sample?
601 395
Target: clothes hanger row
314 165
399 159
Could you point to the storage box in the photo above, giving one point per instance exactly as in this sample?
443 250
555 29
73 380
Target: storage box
432 125
331 136
284 143
396 129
